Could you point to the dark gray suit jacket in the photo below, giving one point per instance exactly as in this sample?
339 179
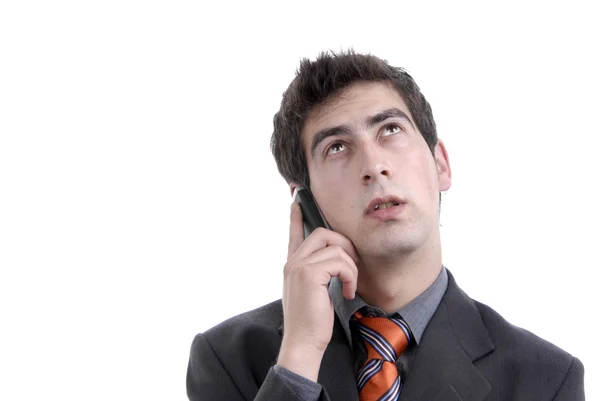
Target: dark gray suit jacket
468 352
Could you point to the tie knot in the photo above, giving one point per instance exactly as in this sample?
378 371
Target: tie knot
385 338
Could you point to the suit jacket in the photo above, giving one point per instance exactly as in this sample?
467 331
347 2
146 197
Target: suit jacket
468 352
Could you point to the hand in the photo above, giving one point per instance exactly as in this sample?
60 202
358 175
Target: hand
308 312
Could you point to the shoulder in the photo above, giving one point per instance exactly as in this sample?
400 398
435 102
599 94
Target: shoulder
255 329
511 358
528 362
267 318
513 346
522 351
235 356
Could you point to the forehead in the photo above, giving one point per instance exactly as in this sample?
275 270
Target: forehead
352 106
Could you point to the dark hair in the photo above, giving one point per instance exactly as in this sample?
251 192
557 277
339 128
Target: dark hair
316 82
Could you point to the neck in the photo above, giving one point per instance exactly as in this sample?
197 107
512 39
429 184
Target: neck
392 284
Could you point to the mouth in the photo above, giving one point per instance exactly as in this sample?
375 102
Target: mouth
383 203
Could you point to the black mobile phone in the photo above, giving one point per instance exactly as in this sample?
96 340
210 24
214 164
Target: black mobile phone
311 214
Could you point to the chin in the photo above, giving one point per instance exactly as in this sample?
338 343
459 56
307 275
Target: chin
385 245
382 246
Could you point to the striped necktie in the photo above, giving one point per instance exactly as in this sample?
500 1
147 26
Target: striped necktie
385 339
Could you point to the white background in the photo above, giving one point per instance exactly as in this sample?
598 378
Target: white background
140 203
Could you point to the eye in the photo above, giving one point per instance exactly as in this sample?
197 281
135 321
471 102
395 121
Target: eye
392 129
336 147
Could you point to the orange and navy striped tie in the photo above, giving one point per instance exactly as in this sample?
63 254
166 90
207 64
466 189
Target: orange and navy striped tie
385 339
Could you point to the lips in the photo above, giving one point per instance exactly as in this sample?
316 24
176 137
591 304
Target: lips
383 203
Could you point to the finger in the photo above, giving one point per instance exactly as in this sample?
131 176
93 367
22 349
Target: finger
331 252
343 270
322 238
296 229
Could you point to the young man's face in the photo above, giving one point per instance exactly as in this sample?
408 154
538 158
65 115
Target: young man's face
364 145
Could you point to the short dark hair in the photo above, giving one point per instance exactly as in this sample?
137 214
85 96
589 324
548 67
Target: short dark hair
316 82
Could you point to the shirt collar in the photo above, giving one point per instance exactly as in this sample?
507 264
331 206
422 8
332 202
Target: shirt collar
417 313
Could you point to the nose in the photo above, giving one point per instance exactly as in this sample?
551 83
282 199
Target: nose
374 167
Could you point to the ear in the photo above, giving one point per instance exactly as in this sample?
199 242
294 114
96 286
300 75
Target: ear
293 185
443 166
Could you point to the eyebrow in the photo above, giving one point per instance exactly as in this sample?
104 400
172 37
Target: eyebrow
344 130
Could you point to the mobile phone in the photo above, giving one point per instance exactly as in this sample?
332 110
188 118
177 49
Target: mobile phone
311 214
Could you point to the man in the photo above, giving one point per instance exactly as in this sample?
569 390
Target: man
368 311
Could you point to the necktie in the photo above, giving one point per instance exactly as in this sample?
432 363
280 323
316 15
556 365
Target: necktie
385 339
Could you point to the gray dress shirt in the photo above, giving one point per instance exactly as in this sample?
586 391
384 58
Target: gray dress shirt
417 314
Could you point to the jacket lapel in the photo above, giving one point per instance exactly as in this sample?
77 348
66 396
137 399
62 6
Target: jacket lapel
443 366
336 374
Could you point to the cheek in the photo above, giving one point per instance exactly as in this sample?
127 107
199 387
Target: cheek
328 183
334 200
419 169
427 179
329 196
